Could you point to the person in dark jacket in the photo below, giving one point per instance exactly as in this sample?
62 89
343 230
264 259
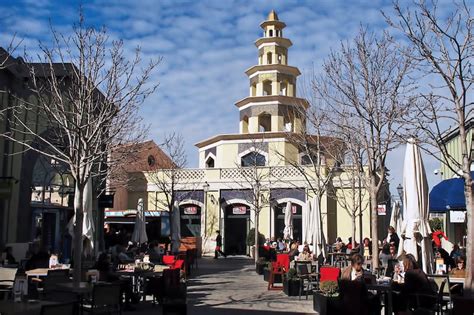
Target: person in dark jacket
218 249
392 237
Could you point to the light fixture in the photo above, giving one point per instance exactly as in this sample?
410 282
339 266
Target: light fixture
205 187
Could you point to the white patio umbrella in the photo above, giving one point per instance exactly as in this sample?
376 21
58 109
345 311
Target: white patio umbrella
87 221
396 217
318 239
139 230
308 233
288 231
175 228
416 227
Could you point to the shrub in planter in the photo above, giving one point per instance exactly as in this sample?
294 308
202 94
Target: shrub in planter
291 283
326 300
260 265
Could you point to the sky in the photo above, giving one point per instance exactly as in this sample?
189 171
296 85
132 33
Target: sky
206 46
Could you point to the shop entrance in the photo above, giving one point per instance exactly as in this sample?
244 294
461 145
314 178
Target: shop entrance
190 220
279 218
237 225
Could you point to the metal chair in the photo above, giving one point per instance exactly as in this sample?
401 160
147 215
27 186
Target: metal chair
445 302
305 275
106 298
7 279
59 309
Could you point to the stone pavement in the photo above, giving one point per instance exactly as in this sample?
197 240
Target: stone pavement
231 286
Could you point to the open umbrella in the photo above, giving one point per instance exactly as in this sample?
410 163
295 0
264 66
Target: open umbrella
416 227
175 228
288 231
319 241
139 230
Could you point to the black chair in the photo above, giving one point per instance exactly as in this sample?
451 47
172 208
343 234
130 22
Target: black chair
106 298
59 309
306 277
354 297
173 298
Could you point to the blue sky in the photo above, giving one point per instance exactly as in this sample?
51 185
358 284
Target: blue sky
206 47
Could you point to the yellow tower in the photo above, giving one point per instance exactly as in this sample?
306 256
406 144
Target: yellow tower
272 105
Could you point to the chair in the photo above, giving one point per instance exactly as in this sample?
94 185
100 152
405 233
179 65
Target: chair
444 302
59 309
173 292
329 273
354 297
106 298
7 279
168 260
305 275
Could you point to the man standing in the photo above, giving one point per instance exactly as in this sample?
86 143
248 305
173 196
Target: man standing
218 245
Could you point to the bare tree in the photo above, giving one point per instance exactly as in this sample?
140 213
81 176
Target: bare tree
255 179
169 179
366 81
443 49
88 94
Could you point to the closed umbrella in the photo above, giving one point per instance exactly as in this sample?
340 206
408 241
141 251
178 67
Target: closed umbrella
175 228
308 233
318 238
288 231
139 231
87 221
416 227
396 218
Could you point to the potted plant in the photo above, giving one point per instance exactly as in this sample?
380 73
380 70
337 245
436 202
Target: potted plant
325 300
260 265
291 283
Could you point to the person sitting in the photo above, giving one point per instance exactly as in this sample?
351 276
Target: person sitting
349 245
122 257
460 270
306 254
39 258
392 237
338 245
366 248
456 252
281 245
293 251
9 258
153 253
355 270
104 266
385 255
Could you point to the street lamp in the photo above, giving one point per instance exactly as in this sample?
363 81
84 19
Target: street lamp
400 192
205 188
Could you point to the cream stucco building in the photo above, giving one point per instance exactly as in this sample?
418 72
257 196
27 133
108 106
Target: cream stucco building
217 195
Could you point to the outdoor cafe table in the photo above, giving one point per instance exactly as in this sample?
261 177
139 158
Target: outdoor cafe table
39 272
138 277
386 290
9 307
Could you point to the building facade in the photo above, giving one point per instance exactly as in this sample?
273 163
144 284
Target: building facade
220 194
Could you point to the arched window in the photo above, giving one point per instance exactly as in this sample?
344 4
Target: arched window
210 162
269 58
253 159
270 32
283 88
264 122
267 87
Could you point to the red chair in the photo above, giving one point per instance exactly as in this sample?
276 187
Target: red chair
284 261
169 260
327 273
178 264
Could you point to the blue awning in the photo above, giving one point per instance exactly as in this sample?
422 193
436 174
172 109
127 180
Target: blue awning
448 195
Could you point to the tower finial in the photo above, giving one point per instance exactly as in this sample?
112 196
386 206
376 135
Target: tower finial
272 16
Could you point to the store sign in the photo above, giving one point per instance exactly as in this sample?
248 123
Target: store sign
382 209
293 209
457 216
239 210
190 210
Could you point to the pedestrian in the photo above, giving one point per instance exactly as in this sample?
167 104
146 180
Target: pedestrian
219 246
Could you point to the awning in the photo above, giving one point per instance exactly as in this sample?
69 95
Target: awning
448 195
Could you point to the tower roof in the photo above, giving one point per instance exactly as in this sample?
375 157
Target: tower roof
272 16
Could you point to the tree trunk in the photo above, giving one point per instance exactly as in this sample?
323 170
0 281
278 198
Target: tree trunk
354 216
78 208
469 285
374 221
256 235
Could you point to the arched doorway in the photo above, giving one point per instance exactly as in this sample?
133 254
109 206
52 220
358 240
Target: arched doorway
190 215
237 226
279 218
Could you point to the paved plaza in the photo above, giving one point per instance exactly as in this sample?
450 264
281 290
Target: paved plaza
231 286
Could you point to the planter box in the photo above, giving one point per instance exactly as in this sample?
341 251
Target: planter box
266 276
325 305
291 287
259 268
